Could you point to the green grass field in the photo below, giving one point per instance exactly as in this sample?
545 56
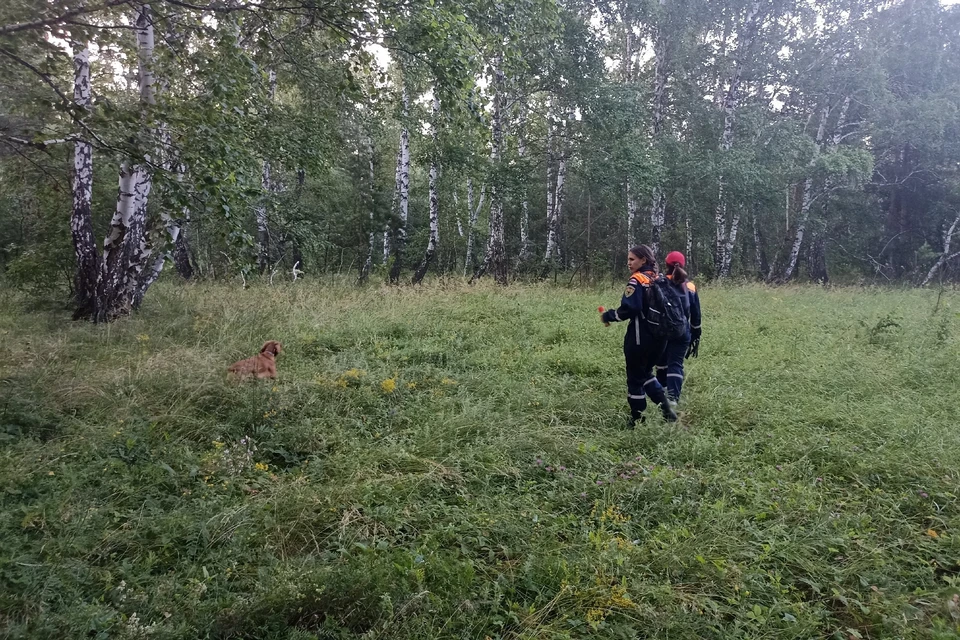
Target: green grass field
453 462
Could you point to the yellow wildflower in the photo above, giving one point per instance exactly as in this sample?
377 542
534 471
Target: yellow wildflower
389 385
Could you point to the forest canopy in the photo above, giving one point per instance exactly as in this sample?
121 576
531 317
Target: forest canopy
767 139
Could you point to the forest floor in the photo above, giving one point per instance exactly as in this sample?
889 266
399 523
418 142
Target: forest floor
453 462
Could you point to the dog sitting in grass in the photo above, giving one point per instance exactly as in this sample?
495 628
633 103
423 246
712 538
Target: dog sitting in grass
262 365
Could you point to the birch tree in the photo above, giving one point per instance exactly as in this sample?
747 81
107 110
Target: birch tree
495 259
726 227
266 186
659 204
125 245
399 239
434 196
81 221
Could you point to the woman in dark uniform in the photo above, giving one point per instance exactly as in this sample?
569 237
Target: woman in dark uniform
670 366
641 350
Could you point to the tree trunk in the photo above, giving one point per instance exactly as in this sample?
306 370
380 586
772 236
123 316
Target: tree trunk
817 255
400 236
626 75
388 226
496 258
371 205
525 245
473 214
631 215
945 256
723 237
731 242
181 252
760 256
788 271
550 179
434 197
81 224
263 230
125 248
659 204
553 224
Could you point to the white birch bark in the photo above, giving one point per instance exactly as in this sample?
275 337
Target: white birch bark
266 186
371 203
473 214
433 195
730 243
631 215
805 203
387 227
757 247
626 75
496 259
124 248
525 247
945 256
553 224
81 222
400 234
729 105
550 178
659 204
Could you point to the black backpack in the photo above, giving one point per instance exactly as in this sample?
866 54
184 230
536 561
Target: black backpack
665 316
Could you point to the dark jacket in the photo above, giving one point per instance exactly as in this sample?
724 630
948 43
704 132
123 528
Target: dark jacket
633 306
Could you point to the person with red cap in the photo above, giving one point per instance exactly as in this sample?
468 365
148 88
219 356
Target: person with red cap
670 366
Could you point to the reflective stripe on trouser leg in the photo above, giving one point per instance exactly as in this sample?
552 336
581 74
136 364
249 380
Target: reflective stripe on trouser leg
662 374
655 391
671 375
640 363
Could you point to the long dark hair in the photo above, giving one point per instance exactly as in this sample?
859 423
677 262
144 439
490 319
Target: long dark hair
676 273
646 253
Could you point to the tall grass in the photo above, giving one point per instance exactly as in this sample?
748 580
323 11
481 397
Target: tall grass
454 462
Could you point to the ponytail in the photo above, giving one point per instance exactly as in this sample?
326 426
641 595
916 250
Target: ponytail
676 273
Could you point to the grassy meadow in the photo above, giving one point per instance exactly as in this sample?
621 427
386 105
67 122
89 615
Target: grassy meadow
453 462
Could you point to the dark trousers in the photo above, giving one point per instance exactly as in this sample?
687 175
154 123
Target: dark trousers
641 382
670 366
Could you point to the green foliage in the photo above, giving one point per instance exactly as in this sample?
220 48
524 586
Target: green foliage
453 462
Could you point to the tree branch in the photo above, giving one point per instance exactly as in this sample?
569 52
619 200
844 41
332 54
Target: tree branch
44 22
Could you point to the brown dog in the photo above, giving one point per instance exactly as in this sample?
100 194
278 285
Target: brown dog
262 365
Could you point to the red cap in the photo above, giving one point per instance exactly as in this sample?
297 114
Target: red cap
675 257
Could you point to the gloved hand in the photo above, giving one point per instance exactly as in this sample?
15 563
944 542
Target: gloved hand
608 316
695 334
694 349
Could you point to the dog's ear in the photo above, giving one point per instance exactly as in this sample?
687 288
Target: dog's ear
271 346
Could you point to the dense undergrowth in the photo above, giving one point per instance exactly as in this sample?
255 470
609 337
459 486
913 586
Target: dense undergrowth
454 462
